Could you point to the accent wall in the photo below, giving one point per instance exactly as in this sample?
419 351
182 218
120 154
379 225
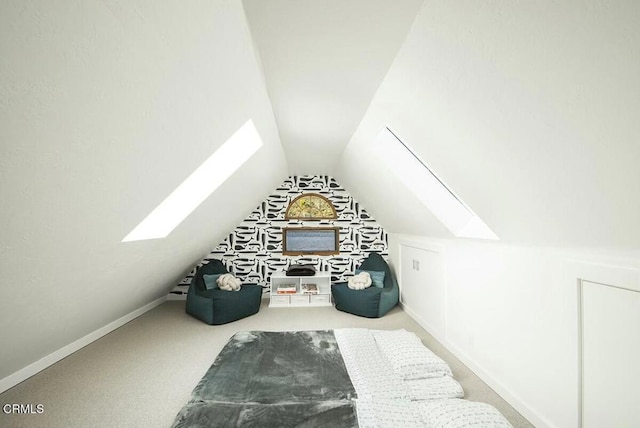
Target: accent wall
253 250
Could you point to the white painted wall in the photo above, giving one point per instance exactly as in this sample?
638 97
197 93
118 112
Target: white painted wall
511 314
105 108
610 317
528 111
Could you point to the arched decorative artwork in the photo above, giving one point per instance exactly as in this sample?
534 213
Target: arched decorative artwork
311 206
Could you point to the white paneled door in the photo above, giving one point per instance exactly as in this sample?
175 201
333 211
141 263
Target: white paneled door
422 286
610 356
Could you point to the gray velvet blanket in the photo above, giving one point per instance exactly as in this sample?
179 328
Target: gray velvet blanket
274 379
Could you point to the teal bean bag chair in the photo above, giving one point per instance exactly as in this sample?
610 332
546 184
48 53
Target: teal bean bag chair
372 302
214 306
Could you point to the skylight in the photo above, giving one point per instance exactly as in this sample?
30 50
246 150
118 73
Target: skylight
454 214
199 185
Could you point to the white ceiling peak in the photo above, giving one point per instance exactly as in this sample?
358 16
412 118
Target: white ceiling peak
323 62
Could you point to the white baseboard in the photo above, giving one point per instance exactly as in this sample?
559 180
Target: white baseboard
513 399
532 416
428 327
32 369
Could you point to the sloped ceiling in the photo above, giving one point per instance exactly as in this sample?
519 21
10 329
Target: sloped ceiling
529 112
105 108
323 61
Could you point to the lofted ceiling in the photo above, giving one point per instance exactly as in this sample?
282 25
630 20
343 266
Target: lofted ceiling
323 62
527 110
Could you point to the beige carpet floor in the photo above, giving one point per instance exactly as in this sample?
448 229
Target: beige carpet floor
141 374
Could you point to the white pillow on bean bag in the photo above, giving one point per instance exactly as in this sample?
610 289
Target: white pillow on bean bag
360 281
228 282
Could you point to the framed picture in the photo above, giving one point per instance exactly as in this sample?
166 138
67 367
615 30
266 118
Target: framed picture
322 241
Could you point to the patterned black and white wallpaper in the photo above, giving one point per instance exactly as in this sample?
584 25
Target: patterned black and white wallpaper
253 251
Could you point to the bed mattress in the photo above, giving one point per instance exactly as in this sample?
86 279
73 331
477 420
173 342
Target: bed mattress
331 378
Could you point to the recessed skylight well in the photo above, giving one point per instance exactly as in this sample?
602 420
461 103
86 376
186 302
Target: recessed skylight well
243 144
454 214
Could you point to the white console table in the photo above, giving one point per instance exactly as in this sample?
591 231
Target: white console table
297 299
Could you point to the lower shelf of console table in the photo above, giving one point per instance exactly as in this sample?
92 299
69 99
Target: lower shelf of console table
299 299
